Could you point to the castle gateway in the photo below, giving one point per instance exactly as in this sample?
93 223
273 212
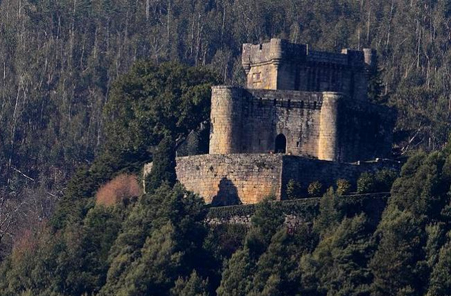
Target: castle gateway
304 116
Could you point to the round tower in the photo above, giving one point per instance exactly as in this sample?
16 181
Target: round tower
225 118
328 131
276 51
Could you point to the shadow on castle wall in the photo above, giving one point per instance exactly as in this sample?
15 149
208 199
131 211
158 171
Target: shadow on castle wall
227 194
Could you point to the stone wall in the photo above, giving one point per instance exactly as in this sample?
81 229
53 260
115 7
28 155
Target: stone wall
248 178
305 171
248 121
296 115
225 120
263 76
304 210
231 179
281 65
323 125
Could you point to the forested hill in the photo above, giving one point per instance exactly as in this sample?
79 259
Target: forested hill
58 60
75 93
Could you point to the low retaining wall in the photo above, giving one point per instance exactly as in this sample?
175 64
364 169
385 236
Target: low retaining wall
304 210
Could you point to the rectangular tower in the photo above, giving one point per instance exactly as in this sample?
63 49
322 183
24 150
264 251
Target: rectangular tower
280 65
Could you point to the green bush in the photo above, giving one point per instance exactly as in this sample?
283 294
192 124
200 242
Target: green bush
366 183
293 189
343 187
385 179
380 181
315 189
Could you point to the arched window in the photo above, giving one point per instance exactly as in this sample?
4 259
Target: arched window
281 144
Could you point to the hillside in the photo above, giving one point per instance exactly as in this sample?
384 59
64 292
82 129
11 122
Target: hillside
159 244
90 90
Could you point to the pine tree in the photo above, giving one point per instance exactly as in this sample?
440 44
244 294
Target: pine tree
398 264
329 216
237 276
192 286
440 280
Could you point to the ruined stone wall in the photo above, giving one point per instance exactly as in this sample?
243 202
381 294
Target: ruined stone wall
231 179
303 210
305 171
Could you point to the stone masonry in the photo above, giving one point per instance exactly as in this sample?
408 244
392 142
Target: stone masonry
229 179
304 116
323 125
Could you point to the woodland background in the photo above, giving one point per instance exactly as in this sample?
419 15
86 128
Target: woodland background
59 59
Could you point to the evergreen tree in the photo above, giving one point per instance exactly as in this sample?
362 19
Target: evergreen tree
237 276
343 256
398 264
329 216
276 270
192 286
161 241
163 166
266 221
423 186
440 280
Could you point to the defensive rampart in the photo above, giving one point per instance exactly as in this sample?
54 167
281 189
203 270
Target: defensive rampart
249 178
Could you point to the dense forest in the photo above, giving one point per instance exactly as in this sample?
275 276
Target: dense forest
79 106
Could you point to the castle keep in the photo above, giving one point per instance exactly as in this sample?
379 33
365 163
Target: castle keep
301 102
304 115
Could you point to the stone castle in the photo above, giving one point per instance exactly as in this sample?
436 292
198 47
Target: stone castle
304 115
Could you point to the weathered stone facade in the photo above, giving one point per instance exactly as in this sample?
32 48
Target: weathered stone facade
229 179
279 64
304 116
323 125
315 102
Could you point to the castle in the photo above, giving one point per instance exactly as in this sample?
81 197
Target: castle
304 115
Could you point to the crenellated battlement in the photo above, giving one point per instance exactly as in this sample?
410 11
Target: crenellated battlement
281 65
279 50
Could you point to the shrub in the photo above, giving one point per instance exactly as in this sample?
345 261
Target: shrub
381 181
315 189
343 187
366 183
293 189
385 179
121 188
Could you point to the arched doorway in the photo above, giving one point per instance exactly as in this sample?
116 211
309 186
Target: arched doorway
281 144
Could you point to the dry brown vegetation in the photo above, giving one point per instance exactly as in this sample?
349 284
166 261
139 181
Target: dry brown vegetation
120 188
